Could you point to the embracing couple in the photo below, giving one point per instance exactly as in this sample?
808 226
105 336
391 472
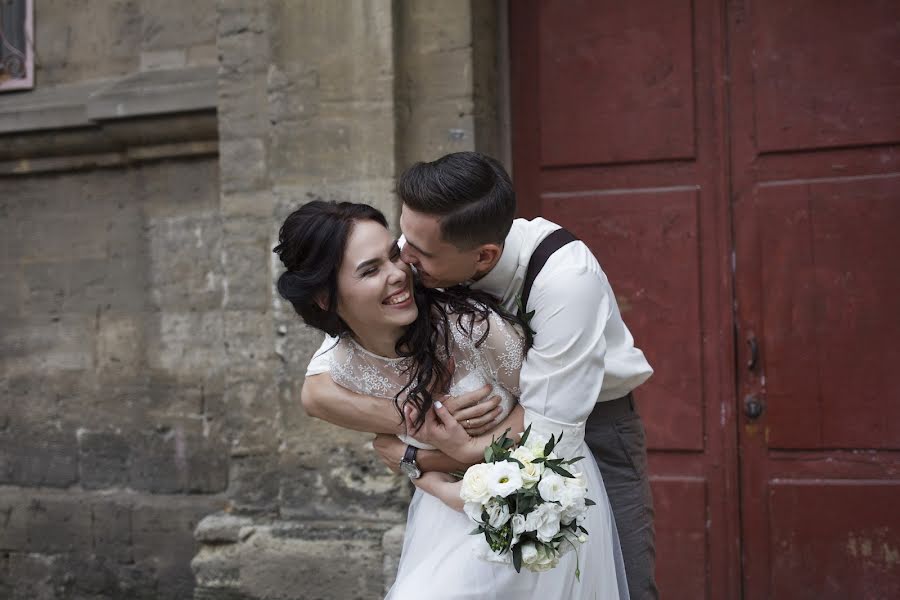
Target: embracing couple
471 324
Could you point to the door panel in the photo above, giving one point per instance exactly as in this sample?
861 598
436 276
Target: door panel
815 184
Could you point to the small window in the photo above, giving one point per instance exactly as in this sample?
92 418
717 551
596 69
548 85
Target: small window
16 45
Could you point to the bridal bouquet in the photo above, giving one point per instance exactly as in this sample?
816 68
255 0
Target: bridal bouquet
528 505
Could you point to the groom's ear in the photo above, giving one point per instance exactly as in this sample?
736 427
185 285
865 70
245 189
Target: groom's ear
488 255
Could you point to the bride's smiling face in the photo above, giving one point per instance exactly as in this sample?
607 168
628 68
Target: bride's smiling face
375 295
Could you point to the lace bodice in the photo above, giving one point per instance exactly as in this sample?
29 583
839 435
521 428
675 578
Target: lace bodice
496 361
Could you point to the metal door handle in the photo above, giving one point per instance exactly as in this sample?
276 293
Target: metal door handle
753 408
754 352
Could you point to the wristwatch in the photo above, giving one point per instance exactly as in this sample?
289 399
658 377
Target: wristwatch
408 463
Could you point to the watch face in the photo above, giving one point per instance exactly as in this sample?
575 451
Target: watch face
410 469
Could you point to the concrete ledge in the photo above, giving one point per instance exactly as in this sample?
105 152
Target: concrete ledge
159 92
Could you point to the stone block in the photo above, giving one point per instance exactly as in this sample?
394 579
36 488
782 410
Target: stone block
248 343
104 458
48 345
254 484
111 531
38 455
251 416
187 346
30 576
180 189
186 267
221 528
45 523
247 168
177 457
120 345
245 255
163 537
174 24
392 545
338 476
324 561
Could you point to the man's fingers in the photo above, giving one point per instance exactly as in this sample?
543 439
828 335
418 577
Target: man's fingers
467 400
476 414
481 421
481 430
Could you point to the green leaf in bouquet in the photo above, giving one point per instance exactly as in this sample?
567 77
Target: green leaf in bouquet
589 502
560 471
517 557
538 461
476 531
548 447
489 454
515 460
525 435
583 530
572 461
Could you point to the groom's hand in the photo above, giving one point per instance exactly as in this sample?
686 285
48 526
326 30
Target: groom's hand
390 450
475 411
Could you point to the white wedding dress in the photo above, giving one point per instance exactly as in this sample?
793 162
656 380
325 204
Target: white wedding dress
440 559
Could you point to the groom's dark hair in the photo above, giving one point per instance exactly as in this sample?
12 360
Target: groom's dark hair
470 194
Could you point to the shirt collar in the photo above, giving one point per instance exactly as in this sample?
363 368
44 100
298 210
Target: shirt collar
499 279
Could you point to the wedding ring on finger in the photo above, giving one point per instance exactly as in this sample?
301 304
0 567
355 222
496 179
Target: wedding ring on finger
467 423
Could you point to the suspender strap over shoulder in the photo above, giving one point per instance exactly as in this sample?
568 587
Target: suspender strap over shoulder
544 251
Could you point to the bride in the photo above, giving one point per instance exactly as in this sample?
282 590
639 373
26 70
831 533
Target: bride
399 341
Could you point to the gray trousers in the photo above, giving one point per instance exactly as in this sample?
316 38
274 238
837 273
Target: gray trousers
615 435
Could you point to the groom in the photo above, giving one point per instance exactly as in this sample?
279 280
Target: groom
459 227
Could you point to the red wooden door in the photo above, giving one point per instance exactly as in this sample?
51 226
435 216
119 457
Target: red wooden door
816 186
617 134
736 169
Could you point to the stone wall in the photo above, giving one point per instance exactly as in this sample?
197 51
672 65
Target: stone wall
150 373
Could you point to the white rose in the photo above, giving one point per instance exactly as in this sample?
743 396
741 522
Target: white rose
517 523
552 487
475 484
531 472
538 557
573 510
544 521
503 479
498 514
535 443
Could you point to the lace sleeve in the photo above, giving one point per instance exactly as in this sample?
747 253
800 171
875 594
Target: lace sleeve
500 356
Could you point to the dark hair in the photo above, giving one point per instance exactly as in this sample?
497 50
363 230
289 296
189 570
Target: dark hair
470 193
311 246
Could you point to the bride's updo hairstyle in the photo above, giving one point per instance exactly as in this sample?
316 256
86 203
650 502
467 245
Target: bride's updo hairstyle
311 246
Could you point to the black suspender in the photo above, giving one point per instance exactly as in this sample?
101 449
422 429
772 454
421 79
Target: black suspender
544 251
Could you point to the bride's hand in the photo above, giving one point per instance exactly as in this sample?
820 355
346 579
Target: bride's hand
443 432
442 486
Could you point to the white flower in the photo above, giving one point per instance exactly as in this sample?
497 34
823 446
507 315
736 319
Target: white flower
517 523
538 557
536 443
503 479
484 552
552 487
544 520
498 514
531 472
473 510
572 511
475 484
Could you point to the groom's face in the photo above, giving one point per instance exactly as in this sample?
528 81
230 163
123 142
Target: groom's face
439 263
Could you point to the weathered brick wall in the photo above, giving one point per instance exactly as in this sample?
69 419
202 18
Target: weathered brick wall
150 374
112 444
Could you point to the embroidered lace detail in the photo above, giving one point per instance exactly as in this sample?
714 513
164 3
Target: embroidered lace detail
497 361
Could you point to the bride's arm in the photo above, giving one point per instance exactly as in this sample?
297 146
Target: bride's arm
390 449
443 487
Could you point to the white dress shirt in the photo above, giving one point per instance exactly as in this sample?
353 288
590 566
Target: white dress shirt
582 354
